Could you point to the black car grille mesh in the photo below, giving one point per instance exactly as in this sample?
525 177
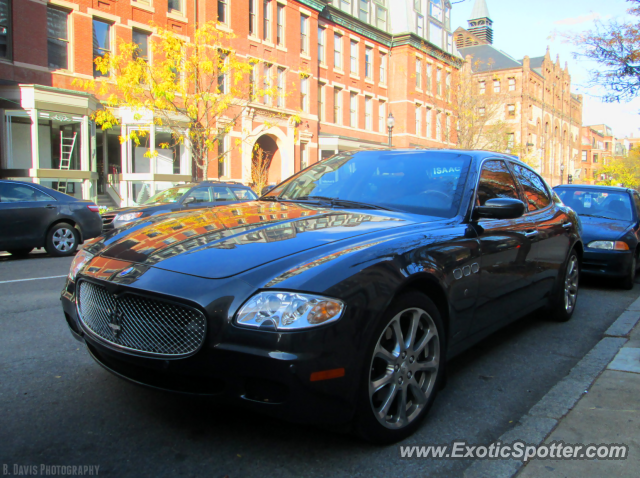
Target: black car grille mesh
140 324
108 218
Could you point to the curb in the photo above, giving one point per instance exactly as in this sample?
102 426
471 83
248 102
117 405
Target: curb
542 418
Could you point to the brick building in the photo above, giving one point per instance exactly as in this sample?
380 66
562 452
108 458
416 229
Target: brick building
540 112
346 65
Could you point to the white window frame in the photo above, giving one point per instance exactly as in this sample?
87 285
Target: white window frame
353 109
354 47
338 61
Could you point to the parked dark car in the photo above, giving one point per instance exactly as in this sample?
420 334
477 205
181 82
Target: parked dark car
339 296
179 198
32 216
610 219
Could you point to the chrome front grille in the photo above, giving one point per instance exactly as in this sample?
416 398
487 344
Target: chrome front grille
108 218
140 324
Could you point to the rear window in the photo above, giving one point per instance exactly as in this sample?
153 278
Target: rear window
597 202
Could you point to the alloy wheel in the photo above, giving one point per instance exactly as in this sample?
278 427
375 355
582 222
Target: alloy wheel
404 368
64 239
571 284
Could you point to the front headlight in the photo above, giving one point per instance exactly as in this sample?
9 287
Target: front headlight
130 216
289 311
81 258
609 245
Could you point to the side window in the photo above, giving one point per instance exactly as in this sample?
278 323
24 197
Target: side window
200 195
535 191
221 194
245 194
636 199
21 193
495 182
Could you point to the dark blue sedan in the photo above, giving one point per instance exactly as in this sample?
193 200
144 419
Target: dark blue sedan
611 227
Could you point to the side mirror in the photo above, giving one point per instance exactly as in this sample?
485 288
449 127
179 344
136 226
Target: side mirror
500 208
188 200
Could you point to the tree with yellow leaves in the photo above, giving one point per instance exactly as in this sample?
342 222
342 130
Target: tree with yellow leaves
621 172
197 89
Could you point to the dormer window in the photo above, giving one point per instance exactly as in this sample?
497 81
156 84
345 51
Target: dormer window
436 8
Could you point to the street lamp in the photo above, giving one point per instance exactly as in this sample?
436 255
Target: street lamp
391 121
561 173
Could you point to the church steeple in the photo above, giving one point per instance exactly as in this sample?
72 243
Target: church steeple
480 23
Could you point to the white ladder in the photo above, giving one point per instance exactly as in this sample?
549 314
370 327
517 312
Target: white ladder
66 151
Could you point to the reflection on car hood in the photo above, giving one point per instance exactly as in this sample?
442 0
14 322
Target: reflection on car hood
599 228
225 241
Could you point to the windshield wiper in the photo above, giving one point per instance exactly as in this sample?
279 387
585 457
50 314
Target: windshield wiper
269 198
595 215
343 202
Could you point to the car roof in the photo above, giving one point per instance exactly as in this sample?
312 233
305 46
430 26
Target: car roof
591 186
231 184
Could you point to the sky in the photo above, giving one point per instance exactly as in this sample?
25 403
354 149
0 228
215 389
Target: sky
527 27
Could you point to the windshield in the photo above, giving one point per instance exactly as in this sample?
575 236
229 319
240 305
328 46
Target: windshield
168 195
597 202
424 182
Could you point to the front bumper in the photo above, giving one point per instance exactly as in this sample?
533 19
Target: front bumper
267 372
607 263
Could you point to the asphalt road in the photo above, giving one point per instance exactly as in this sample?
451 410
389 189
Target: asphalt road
58 407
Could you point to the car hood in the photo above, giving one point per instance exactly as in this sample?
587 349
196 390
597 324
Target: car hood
227 240
599 228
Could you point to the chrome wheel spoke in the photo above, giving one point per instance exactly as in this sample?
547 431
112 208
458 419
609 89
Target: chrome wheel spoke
428 366
402 407
424 341
387 402
384 354
413 329
399 336
417 392
382 382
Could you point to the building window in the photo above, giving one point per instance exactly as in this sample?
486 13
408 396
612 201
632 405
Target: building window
447 129
280 86
512 84
436 9
337 51
222 153
304 34
439 81
320 101
429 84
280 25
368 113
511 110
435 34
482 87
304 94
438 127
252 17
252 83
57 37
222 11
368 62
496 86
304 155
337 106
266 20
321 58
381 15
5 29
482 111
141 40
175 6
354 57
448 87
595 157
585 155
101 43
363 10
383 68
418 121
418 73
510 140
345 5
266 84
420 25
353 110
428 122
382 116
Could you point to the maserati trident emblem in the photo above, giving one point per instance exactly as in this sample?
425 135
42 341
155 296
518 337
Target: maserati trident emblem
115 321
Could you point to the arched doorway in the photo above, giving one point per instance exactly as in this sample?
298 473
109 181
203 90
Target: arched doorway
266 162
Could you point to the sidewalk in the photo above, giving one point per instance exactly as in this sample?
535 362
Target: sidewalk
597 403
608 413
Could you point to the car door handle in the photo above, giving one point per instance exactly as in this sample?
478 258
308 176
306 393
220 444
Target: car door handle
530 233
49 206
567 225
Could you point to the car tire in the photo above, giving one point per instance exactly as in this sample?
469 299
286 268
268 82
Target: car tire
565 297
402 370
62 240
628 281
20 252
